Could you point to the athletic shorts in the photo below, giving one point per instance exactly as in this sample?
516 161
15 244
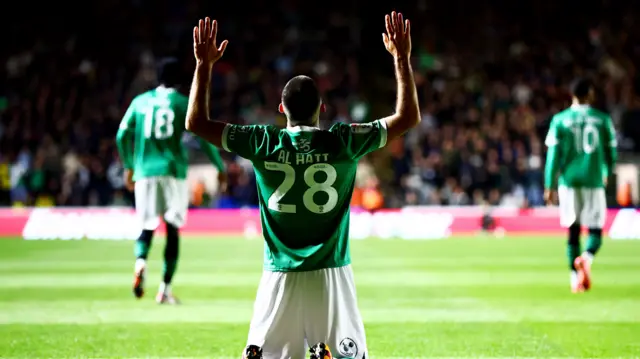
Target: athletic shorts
165 197
587 206
295 310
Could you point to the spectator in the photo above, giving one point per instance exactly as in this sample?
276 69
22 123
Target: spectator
486 99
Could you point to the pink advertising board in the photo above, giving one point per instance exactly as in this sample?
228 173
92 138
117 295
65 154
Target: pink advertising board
410 223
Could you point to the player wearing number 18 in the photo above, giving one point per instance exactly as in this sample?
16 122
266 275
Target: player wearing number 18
150 145
305 178
581 156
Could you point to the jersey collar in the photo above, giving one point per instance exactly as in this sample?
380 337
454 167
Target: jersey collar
577 106
296 129
164 89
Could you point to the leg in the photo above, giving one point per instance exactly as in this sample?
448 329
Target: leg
333 317
573 252
593 215
570 204
594 242
175 201
171 251
277 323
147 211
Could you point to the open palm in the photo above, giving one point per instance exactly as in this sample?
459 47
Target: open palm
397 39
205 48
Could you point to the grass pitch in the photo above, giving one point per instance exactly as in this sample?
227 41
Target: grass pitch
455 298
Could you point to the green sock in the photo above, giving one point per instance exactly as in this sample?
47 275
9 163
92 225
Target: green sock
594 241
171 254
573 245
573 252
143 244
168 270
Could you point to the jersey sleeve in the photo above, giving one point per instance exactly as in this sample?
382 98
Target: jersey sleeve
360 139
247 141
552 138
610 149
124 137
553 153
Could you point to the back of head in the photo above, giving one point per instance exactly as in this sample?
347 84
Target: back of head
582 89
301 100
169 72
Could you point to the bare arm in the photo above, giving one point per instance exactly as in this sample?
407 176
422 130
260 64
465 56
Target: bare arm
397 41
407 113
207 53
197 119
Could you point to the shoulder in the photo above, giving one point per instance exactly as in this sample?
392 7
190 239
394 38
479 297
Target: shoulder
562 115
141 98
599 114
180 98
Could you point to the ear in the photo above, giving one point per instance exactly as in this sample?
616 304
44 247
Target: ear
281 108
323 108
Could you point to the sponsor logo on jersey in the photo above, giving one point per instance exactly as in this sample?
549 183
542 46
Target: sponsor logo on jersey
348 348
361 128
303 145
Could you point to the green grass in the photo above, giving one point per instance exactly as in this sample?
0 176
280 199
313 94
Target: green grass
457 298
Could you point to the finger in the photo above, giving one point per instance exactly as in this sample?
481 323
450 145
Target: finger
400 23
201 30
387 23
385 39
223 46
214 31
407 27
195 35
394 23
207 28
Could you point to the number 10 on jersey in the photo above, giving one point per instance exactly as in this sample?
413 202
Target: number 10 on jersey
274 203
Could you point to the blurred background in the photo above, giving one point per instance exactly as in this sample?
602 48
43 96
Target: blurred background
490 75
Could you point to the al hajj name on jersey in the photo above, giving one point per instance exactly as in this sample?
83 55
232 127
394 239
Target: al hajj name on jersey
302 158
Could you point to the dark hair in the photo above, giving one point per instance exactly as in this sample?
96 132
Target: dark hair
301 99
581 87
169 72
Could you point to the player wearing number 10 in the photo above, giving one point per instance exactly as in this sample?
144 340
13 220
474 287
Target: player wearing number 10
582 151
305 178
150 145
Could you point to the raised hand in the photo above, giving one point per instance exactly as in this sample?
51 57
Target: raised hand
397 40
205 49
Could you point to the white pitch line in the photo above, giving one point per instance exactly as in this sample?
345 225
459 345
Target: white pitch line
375 357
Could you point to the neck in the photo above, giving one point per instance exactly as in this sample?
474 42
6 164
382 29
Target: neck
297 124
578 102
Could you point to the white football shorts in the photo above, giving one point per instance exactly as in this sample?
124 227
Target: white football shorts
162 196
295 310
588 206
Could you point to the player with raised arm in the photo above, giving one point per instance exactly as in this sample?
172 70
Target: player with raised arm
150 144
581 156
305 178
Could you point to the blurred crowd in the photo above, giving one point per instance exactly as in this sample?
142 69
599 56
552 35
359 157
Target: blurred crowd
488 86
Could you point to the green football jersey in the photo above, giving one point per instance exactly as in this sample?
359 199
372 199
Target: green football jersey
305 178
582 148
150 136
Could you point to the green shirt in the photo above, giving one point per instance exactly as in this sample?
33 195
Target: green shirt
582 148
150 136
305 178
